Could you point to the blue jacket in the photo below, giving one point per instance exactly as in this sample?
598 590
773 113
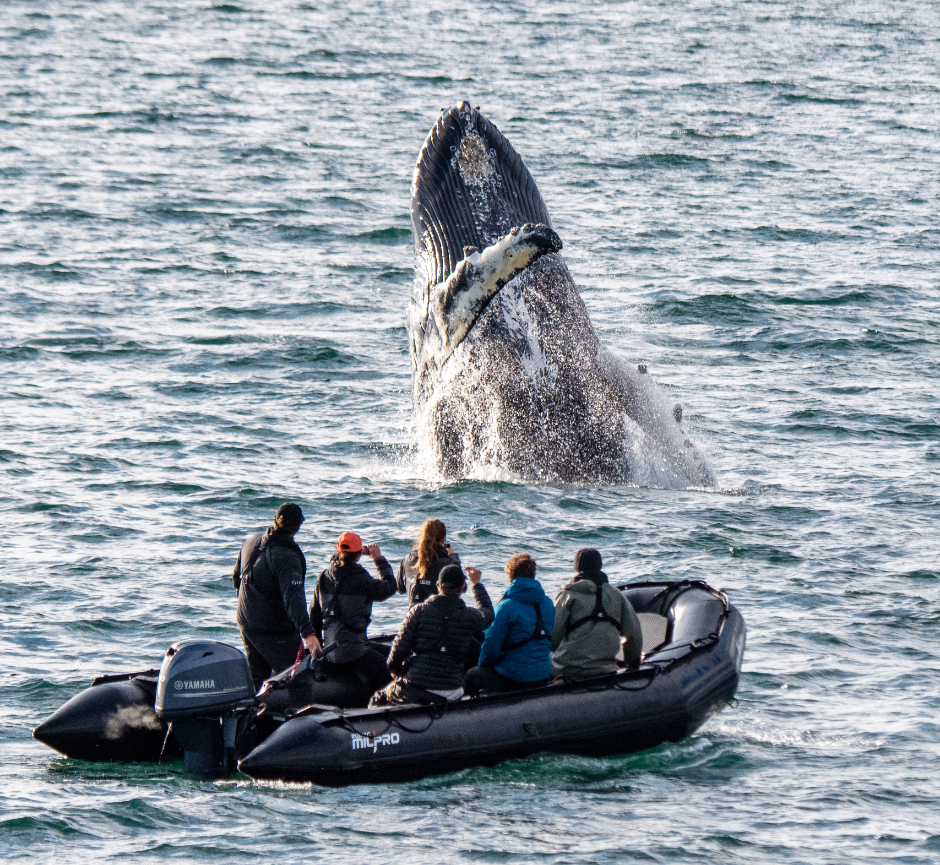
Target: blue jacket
515 621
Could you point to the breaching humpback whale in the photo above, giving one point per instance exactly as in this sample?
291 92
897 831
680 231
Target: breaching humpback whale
508 371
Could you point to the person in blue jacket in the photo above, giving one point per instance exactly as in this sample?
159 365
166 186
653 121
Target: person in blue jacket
517 649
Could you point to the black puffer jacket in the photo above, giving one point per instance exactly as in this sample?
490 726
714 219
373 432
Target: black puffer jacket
420 588
271 596
342 606
416 651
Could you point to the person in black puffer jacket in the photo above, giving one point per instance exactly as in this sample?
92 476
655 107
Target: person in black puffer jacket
342 609
272 610
436 641
418 571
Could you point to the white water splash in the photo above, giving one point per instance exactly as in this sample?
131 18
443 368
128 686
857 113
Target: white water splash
662 456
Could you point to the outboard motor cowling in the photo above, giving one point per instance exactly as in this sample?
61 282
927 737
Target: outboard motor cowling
206 693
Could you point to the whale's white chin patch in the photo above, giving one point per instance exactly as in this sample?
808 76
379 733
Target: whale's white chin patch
455 304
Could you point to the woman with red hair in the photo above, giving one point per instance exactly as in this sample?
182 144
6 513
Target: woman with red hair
418 571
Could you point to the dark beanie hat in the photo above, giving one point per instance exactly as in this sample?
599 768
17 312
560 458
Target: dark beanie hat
290 514
587 559
451 575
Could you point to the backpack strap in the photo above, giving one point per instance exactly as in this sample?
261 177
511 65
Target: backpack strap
540 632
248 568
598 614
441 648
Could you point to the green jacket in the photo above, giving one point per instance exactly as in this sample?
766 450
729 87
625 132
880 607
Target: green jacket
593 649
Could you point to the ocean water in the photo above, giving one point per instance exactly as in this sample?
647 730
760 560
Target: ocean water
205 260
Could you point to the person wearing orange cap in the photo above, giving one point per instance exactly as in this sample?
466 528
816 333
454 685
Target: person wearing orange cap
342 609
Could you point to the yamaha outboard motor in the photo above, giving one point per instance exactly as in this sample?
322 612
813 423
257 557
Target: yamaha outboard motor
207 695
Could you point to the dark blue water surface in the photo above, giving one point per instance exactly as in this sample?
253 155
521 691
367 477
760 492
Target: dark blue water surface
205 258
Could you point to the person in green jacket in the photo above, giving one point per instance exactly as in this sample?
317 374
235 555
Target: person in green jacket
590 618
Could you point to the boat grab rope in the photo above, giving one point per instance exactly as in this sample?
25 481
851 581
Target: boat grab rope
391 719
435 714
698 643
348 725
652 673
680 588
655 667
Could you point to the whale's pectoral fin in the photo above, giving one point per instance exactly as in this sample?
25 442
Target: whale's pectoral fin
456 303
470 188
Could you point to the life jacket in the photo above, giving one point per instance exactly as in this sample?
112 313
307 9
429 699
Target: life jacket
540 632
598 614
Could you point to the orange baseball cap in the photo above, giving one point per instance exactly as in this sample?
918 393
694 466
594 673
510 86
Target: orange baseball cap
349 542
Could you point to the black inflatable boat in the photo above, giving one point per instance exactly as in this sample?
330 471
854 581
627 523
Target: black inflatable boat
305 726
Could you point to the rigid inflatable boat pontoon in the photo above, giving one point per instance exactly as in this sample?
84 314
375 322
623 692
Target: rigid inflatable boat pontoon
304 726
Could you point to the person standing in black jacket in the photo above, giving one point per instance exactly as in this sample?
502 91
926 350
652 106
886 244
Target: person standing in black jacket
342 609
272 614
436 640
417 573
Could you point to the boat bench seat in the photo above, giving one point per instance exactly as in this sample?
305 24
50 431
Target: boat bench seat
654 629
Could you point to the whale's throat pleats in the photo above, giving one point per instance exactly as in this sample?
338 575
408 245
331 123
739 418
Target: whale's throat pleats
470 188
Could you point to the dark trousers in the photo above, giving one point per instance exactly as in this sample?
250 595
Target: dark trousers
473 654
268 654
487 679
370 669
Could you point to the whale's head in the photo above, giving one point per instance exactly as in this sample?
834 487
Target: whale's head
478 221
470 188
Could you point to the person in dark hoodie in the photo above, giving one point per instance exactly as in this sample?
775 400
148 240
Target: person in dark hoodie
272 614
418 571
342 609
430 653
516 651
591 616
